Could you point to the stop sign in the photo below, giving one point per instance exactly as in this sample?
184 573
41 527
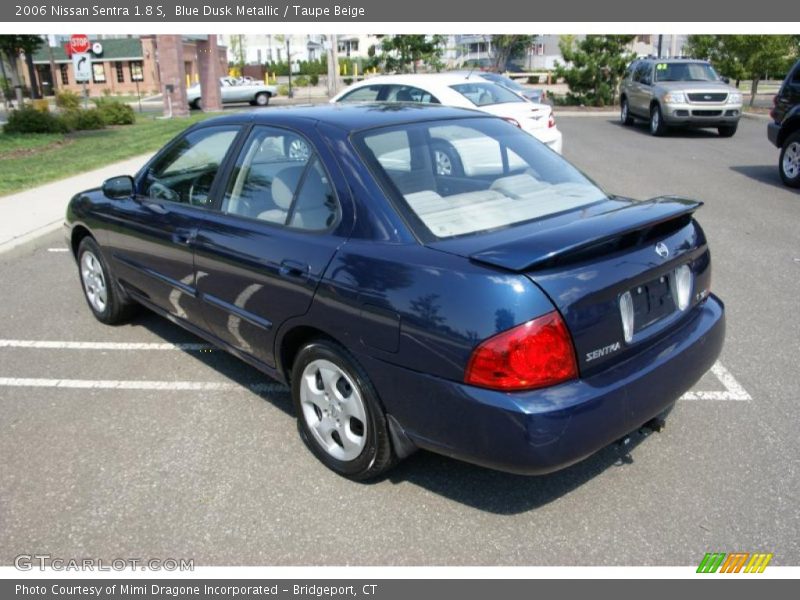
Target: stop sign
79 44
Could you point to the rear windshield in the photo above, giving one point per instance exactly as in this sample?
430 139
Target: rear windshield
464 176
685 72
486 93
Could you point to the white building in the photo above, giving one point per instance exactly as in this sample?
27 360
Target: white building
263 48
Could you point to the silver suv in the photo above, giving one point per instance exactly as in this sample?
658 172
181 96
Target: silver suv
678 92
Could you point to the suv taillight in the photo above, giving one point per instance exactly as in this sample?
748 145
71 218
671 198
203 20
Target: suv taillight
536 354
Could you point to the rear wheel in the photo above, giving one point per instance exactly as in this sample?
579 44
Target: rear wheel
446 159
262 99
624 113
789 162
105 299
338 413
728 130
196 104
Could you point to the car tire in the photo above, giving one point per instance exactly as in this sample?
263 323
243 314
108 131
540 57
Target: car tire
296 148
339 416
624 113
196 104
262 99
108 303
657 126
789 162
446 161
728 130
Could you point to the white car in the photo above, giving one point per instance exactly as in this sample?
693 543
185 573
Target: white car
462 90
233 89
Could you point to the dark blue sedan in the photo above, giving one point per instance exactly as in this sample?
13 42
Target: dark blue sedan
508 313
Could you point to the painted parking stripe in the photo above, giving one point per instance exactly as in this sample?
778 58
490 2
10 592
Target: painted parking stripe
733 389
63 345
104 384
58 249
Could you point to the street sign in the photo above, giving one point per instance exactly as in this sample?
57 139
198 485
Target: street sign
79 43
82 66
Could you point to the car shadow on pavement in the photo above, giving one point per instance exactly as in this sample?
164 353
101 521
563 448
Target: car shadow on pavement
643 128
471 485
506 493
763 174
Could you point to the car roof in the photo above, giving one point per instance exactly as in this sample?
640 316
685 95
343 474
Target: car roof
674 60
438 79
347 116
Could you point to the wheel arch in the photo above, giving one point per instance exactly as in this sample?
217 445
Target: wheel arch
79 232
789 126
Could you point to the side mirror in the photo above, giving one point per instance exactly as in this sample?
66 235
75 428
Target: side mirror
118 188
726 80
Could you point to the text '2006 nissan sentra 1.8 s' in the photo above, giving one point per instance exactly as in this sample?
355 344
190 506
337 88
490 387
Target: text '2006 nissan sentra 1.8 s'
508 313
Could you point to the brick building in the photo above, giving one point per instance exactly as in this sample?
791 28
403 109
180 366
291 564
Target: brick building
125 65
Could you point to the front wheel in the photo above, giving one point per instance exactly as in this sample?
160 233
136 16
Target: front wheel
339 416
727 130
789 162
657 126
106 301
196 104
262 99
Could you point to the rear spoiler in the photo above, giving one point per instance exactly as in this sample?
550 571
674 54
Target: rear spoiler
554 244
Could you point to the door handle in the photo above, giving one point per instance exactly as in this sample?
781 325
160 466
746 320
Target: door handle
156 208
185 238
293 268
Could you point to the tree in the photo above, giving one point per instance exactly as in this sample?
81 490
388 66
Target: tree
747 56
594 66
11 46
402 52
508 47
239 53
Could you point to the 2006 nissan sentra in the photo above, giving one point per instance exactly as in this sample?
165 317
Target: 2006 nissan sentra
508 313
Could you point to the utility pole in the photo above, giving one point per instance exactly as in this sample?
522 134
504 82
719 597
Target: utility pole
333 65
660 39
289 62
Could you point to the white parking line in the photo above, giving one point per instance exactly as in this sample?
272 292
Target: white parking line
61 345
100 384
58 249
733 389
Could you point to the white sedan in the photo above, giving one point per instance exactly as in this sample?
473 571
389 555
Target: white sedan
235 90
462 90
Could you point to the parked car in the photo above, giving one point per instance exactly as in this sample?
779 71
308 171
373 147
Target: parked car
677 92
461 90
234 89
532 94
784 130
514 316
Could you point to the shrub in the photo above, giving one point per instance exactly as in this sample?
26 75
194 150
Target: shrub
115 112
534 79
30 120
314 79
348 80
41 104
82 120
301 81
68 100
283 90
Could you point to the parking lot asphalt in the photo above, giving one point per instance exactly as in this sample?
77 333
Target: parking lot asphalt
140 441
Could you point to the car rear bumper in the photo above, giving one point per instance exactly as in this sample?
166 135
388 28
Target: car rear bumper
550 136
692 115
545 430
773 133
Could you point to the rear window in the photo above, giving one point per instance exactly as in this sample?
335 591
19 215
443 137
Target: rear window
685 72
465 176
486 94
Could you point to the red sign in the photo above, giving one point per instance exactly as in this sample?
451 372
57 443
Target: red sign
79 44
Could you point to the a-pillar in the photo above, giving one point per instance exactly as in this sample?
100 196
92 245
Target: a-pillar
210 72
173 74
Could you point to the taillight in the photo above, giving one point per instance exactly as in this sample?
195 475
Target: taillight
551 122
513 121
535 354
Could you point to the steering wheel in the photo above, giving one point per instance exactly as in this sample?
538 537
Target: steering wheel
199 189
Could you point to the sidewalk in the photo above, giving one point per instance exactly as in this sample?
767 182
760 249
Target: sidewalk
40 210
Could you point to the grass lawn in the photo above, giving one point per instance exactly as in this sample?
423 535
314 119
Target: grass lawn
34 159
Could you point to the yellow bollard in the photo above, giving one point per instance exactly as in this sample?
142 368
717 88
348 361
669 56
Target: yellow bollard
355 70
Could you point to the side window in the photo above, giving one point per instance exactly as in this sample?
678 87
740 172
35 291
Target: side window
630 72
185 173
645 76
367 93
278 178
407 93
796 75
